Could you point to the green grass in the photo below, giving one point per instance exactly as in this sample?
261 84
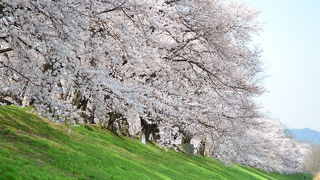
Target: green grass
34 148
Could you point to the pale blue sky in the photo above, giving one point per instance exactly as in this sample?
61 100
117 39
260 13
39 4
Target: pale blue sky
290 41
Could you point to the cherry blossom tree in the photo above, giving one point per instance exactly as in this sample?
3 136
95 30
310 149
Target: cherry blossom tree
185 67
312 164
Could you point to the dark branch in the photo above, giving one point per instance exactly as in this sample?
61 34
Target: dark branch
5 50
113 9
22 75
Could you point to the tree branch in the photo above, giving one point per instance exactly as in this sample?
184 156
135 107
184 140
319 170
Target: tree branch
5 50
113 9
13 69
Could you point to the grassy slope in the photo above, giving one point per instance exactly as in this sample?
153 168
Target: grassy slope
33 148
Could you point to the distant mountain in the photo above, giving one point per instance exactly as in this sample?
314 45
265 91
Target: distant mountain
306 134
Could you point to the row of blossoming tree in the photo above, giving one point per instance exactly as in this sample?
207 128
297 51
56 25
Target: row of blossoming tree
187 68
